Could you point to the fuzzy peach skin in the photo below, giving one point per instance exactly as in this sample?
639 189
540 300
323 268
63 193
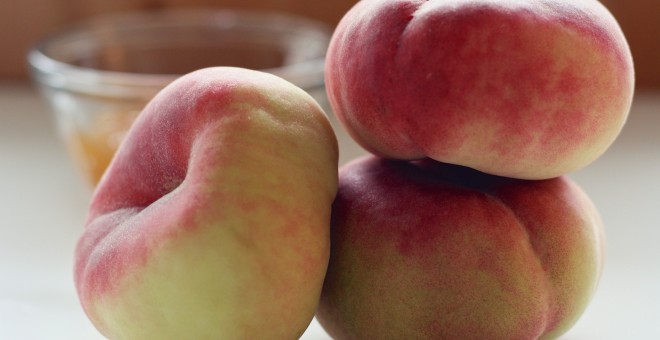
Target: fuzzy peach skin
426 250
529 89
212 221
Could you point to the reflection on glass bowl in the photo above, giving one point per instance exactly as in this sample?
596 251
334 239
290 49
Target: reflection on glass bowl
99 75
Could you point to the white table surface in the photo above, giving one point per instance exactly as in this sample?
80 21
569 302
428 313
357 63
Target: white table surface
43 203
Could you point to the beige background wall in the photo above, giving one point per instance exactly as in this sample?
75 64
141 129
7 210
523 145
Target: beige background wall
24 21
640 21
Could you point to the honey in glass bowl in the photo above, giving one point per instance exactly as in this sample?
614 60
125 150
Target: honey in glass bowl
100 74
92 148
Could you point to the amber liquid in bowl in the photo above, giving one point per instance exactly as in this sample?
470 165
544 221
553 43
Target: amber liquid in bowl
92 144
100 75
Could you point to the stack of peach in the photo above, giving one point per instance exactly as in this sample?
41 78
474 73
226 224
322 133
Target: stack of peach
223 216
464 226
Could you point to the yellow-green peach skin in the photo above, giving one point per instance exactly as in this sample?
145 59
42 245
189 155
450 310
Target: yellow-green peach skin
212 221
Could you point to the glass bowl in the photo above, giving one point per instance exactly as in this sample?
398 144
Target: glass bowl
100 74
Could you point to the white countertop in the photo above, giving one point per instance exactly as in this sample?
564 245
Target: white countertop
43 203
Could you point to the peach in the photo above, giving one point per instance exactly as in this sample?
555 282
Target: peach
212 220
426 250
527 89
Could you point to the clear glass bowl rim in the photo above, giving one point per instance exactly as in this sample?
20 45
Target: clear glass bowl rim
48 71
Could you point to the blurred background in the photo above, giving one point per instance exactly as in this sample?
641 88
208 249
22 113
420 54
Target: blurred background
24 21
